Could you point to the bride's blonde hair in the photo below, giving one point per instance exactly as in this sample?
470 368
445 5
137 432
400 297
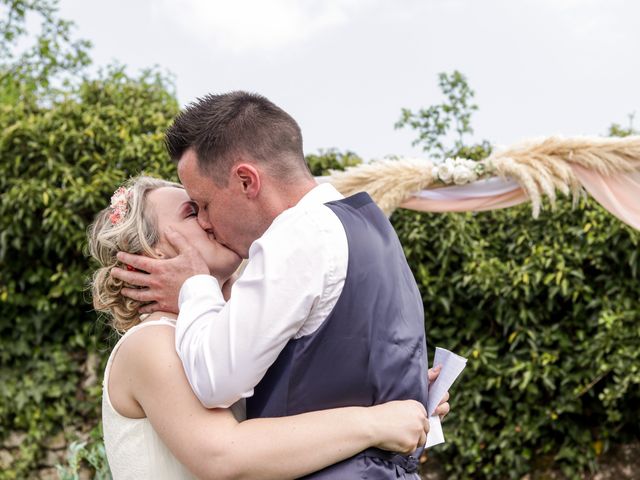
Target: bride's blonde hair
129 227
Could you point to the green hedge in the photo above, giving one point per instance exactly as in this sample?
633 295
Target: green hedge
546 310
548 313
59 164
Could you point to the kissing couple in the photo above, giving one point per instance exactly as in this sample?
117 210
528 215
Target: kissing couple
310 363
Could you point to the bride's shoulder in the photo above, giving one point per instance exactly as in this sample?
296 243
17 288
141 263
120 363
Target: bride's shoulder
148 346
144 359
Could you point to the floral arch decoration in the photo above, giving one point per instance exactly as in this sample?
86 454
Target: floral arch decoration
608 169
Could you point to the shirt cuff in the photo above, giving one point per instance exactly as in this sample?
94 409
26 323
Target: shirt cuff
200 286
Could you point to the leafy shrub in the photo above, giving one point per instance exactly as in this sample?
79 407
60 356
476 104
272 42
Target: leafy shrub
547 312
94 454
59 165
325 161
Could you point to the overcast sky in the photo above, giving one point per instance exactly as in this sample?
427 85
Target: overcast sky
345 68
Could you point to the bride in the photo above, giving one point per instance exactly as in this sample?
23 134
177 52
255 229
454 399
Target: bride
154 426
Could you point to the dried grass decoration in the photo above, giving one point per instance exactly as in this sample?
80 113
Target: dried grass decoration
540 167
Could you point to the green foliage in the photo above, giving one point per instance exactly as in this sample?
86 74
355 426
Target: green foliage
546 311
434 124
33 62
59 166
80 453
617 130
325 161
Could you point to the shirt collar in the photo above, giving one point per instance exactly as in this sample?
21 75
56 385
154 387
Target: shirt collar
322 193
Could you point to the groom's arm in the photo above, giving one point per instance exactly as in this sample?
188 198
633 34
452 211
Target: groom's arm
227 347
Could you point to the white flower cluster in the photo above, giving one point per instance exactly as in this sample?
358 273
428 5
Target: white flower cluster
458 171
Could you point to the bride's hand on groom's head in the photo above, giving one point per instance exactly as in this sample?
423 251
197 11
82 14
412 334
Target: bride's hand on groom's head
157 282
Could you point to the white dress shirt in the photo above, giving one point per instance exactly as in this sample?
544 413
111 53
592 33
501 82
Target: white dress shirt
293 279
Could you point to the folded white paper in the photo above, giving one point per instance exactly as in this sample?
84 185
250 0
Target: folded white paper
435 435
452 367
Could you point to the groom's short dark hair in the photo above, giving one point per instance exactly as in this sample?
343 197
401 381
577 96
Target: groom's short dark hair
221 127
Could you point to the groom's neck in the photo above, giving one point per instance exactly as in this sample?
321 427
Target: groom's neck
283 197
276 197
300 191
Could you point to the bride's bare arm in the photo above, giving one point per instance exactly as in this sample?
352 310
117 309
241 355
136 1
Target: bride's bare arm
212 444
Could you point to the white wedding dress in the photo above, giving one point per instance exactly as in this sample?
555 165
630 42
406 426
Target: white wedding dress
134 449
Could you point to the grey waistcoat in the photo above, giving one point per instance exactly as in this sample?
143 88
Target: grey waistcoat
371 348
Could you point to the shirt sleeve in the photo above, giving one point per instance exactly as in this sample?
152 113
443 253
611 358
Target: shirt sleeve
226 348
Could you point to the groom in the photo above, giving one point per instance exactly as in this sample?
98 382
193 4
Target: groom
326 313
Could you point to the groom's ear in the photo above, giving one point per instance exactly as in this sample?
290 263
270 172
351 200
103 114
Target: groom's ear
248 178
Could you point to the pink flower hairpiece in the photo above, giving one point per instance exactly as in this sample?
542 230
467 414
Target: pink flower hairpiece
119 205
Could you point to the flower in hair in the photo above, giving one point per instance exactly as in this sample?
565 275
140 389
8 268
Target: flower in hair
119 205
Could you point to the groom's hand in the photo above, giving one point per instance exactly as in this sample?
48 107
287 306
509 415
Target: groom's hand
159 281
443 407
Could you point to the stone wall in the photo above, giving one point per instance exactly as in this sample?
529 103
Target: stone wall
54 453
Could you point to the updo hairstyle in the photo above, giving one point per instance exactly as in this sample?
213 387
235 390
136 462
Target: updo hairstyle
135 231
